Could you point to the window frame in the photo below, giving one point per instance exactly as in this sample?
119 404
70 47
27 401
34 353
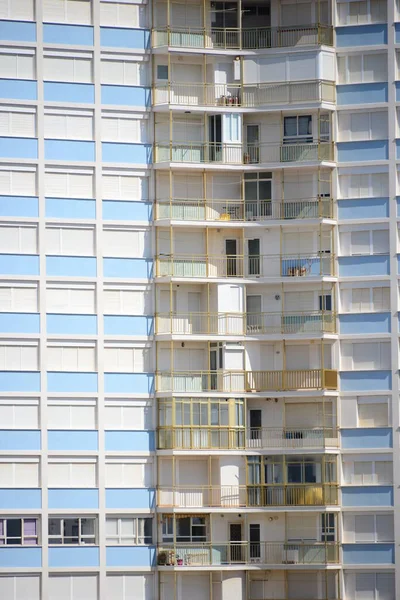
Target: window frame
119 537
298 138
81 536
23 537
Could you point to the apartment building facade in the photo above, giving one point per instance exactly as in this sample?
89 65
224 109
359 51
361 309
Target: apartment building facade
199 300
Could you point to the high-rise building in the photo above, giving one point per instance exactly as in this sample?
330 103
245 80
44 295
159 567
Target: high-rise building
199 291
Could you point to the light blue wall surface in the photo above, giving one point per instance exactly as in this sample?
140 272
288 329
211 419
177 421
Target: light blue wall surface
368 554
129 441
118 37
82 93
142 383
18 89
19 264
360 323
19 439
20 498
19 323
363 208
71 266
19 206
71 324
72 440
69 150
113 152
130 498
357 381
72 498
71 382
367 495
132 96
17 31
127 211
380 437
77 35
20 557
67 208
360 151
128 268
127 325
76 556
17 147
360 266
361 93
130 556
361 35
19 381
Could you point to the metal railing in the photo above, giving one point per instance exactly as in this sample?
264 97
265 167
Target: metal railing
236 496
240 210
246 154
232 438
230 553
233 38
245 323
285 265
245 381
246 95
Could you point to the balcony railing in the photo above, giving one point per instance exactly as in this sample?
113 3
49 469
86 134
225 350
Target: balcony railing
287 265
236 154
233 438
204 554
245 324
238 496
246 381
243 39
239 210
246 95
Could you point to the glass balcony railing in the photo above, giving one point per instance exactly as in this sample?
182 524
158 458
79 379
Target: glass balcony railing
243 39
240 210
246 95
318 264
245 381
245 324
238 154
204 554
240 496
234 438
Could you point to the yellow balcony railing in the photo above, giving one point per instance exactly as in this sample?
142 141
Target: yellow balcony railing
239 210
245 381
234 438
246 95
269 266
238 154
204 554
247 39
245 324
238 496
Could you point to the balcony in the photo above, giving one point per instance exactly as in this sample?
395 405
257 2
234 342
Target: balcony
253 324
244 211
234 438
246 96
198 38
318 264
204 554
241 496
246 381
236 154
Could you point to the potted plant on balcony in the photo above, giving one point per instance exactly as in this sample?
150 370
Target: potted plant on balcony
162 558
179 560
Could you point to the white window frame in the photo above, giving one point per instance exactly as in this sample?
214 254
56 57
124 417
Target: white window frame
346 78
124 539
370 479
344 17
82 537
23 538
371 303
373 539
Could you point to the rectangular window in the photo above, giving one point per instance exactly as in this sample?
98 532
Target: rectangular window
18 240
116 14
121 474
70 241
162 72
365 185
122 129
373 528
119 72
77 126
67 11
367 472
72 531
126 302
126 243
18 532
19 414
16 357
72 474
188 529
17 123
70 300
126 416
129 531
364 242
328 527
362 11
297 129
68 185
124 187
365 356
127 360
24 474
17 66
22 10
71 358
16 182
362 68
363 126
17 298
67 68
77 415
372 411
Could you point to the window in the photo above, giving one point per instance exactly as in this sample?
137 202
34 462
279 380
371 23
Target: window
70 241
325 302
116 14
363 242
15 357
364 185
373 299
128 587
71 358
63 474
120 72
67 68
126 415
126 301
297 129
122 129
188 529
77 415
23 10
24 474
17 182
123 474
68 185
363 126
18 240
67 11
373 411
365 356
362 11
18 532
77 531
132 531
232 128
367 472
162 72
17 66
362 68
19 298
124 187
328 527
127 359
19 414
126 243
74 126
21 586
72 300
17 123
371 586
373 528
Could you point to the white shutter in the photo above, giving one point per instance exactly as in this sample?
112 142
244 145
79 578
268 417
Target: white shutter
18 183
126 243
18 10
80 185
385 586
8 66
124 417
115 14
119 72
18 299
119 360
381 298
384 528
19 475
20 240
20 587
54 11
366 356
71 358
70 300
120 130
372 415
119 187
374 67
360 300
77 70
18 124
123 474
360 242
19 416
379 125
79 475
79 11
364 526
56 185
380 241
77 587
359 126
70 242
57 126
